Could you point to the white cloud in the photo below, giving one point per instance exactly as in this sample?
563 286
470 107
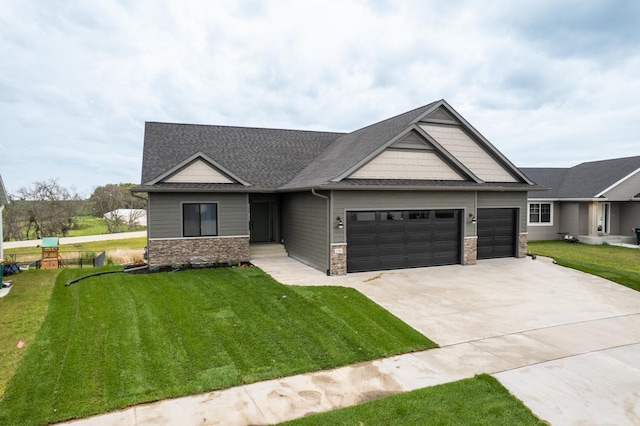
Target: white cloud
549 83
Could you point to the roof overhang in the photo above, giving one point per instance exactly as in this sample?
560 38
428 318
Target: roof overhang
601 199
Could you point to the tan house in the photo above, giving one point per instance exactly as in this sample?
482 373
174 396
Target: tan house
596 202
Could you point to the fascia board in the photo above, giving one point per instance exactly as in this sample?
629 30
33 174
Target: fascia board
600 194
191 159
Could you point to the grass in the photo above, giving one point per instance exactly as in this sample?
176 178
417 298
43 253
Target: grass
618 264
21 314
134 246
88 225
93 225
481 400
116 340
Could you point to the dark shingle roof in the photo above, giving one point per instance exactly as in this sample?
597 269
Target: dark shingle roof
353 147
264 157
586 180
274 159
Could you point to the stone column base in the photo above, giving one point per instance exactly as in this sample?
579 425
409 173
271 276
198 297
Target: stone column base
470 251
338 259
523 238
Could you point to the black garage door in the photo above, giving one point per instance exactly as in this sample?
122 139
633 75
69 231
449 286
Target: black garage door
378 240
497 233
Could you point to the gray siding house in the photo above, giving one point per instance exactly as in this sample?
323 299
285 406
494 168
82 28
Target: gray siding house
419 189
596 202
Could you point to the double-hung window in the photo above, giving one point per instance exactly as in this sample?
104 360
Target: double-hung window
540 213
199 219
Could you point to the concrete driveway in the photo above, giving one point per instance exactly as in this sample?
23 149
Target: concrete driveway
565 342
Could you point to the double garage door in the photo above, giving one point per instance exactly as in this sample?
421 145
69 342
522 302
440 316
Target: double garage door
395 239
378 240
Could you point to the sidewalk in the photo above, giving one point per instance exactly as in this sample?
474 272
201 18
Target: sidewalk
73 240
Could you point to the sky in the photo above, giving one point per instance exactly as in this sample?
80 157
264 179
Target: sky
548 83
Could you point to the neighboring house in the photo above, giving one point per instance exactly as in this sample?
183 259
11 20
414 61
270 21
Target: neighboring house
596 202
4 200
419 189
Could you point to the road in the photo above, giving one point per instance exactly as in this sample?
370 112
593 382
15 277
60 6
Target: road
73 240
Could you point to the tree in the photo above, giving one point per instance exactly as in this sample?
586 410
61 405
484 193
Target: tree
12 218
108 201
48 209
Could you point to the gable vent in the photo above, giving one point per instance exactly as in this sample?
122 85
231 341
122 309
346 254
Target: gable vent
412 141
441 114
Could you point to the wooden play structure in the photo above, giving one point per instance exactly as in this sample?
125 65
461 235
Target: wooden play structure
50 253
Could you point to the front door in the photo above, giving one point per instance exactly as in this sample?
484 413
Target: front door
259 225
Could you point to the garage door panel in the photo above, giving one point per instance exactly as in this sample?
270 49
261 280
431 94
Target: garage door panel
418 248
391 238
403 239
391 262
497 232
363 251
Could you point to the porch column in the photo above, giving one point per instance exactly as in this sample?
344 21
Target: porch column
593 218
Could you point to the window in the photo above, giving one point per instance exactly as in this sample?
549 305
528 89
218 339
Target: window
364 216
540 213
199 219
390 215
421 215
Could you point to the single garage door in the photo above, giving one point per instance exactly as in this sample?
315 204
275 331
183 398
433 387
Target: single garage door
497 233
378 240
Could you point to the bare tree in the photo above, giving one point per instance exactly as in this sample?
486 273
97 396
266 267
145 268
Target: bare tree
49 209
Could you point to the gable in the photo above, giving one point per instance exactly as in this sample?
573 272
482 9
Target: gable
409 158
624 189
468 152
198 172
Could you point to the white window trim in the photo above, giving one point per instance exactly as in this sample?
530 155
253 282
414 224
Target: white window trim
529 223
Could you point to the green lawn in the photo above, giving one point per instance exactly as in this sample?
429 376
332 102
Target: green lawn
481 400
121 339
618 264
21 314
93 225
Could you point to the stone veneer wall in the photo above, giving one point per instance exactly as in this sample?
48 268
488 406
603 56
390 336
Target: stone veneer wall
215 249
522 244
338 259
470 251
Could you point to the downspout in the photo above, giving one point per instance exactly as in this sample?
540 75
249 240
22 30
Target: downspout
313 192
